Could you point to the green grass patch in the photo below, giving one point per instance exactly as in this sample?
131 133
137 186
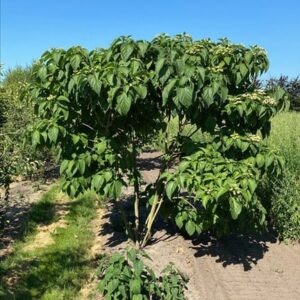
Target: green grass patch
285 194
59 270
285 137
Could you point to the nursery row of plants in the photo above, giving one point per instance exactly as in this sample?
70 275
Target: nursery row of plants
229 146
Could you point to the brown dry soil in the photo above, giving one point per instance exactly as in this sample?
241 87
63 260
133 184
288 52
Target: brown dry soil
235 267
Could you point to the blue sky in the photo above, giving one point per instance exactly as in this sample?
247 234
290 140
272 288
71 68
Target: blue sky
29 27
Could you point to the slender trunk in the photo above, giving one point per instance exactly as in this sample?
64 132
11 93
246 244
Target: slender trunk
136 197
151 218
158 199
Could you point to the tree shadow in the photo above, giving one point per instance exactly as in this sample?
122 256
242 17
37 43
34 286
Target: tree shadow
18 218
31 278
113 227
245 250
236 249
150 160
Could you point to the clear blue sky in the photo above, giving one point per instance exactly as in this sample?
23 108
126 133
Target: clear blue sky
29 27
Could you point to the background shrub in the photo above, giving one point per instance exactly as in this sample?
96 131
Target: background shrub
17 158
291 86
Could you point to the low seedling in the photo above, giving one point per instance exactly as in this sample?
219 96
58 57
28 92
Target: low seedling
126 277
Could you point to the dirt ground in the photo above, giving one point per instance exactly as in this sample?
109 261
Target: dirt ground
235 267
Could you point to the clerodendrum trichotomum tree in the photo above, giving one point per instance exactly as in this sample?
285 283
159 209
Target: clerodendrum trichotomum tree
99 108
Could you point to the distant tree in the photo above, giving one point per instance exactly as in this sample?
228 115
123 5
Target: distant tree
292 87
15 115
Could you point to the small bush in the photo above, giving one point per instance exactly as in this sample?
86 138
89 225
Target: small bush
126 277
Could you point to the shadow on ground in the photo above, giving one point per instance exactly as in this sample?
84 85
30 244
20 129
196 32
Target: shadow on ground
245 250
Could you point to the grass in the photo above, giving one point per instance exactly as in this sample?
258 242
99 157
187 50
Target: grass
285 137
285 202
59 270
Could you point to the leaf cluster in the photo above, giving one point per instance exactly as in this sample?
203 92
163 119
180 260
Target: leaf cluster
126 277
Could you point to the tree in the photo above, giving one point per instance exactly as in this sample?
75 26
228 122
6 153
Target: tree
15 115
99 108
291 86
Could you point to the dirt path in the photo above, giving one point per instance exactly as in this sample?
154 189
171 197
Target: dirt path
235 267
89 290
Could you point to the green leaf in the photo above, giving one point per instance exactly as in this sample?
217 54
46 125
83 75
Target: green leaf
75 61
167 90
238 78
141 90
185 96
222 191
111 79
107 175
53 134
240 110
63 166
252 185
143 46
208 96
227 60
159 64
268 160
190 227
135 286
204 200
243 70
56 57
279 93
123 104
235 207
75 139
81 166
101 147
94 83
126 51
117 188
244 146
42 73
260 160
183 166
179 221
248 56
170 189
63 98
97 182
138 267
201 72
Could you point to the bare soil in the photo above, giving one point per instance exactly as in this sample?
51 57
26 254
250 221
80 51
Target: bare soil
235 267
